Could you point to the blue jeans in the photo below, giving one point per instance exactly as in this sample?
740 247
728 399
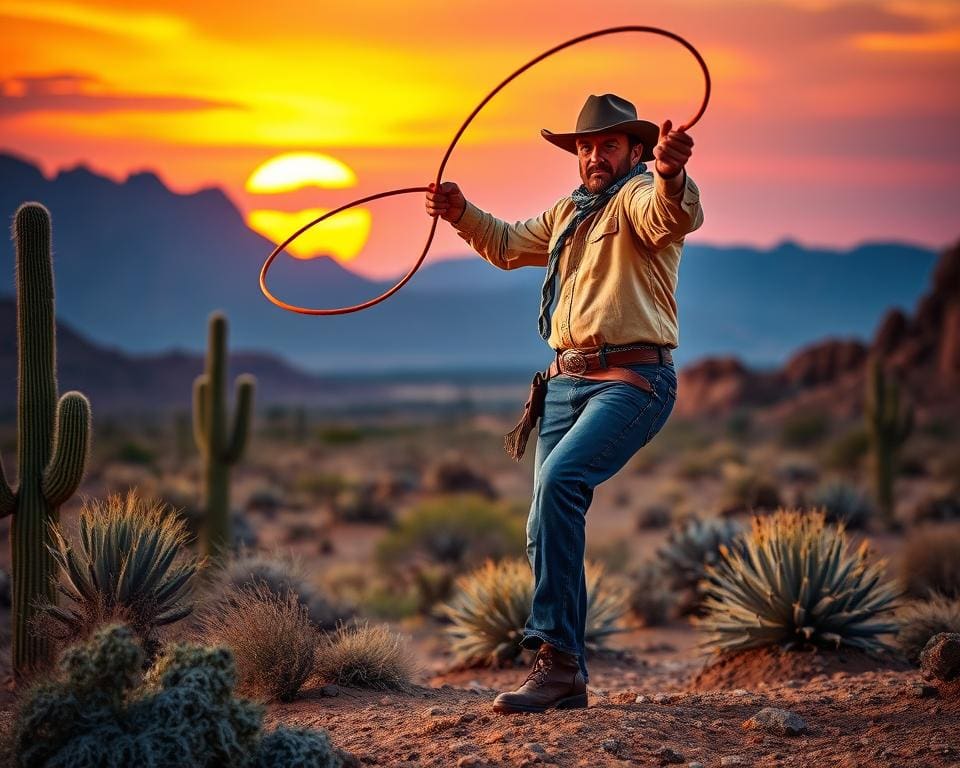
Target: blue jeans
588 431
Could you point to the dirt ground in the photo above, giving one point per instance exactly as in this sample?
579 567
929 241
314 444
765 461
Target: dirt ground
645 711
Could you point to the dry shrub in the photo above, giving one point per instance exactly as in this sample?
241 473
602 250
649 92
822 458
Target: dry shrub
366 656
921 620
273 642
650 598
931 563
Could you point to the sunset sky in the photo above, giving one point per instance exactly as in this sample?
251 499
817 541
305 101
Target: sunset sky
831 122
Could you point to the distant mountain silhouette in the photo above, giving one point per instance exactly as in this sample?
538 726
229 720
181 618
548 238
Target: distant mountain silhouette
140 268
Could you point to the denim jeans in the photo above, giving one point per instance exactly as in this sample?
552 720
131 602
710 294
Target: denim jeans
588 431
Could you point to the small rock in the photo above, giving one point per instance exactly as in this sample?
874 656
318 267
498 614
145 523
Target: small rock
732 760
330 690
666 755
779 722
532 746
468 717
385 701
438 711
610 745
665 698
469 761
740 692
940 658
695 765
925 691
641 699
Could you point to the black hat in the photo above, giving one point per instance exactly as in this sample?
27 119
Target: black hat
607 113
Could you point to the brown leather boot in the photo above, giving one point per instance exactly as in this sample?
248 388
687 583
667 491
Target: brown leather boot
554 681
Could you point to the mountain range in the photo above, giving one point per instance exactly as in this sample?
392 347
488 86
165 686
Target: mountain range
139 268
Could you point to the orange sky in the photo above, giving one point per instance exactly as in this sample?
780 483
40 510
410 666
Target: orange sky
831 122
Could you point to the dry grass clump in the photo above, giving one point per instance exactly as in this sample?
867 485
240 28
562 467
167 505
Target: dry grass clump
273 642
930 562
366 656
921 620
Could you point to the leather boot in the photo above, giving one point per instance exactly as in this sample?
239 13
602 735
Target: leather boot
554 681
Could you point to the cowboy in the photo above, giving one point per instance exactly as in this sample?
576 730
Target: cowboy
611 251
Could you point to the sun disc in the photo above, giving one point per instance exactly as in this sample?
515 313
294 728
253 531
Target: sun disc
294 170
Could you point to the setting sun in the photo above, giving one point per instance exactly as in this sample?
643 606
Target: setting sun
342 236
294 170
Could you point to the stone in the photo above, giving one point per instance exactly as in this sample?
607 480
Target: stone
666 755
924 691
470 761
533 746
610 745
726 760
641 699
330 690
940 658
780 722
695 765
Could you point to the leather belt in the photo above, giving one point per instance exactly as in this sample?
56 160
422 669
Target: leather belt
595 363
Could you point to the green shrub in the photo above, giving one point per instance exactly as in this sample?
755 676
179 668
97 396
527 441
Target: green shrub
129 563
804 429
456 530
98 711
273 643
794 583
843 503
930 563
846 453
366 656
281 575
922 619
491 605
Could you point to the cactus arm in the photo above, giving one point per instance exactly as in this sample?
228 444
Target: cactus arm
8 499
201 387
70 450
241 423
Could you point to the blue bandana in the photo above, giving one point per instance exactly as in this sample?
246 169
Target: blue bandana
586 204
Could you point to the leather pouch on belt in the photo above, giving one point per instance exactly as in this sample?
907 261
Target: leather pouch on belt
515 441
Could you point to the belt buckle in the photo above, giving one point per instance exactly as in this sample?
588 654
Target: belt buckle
573 361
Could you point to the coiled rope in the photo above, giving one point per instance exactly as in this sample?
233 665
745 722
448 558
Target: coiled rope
443 163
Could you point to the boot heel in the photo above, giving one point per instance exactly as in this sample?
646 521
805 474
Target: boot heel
573 702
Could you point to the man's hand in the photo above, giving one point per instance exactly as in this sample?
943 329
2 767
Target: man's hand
672 151
448 202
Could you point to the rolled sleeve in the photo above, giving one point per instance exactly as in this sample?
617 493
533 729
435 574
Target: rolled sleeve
506 246
659 218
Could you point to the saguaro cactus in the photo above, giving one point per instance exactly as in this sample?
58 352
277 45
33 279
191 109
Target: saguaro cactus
889 422
220 446
53 437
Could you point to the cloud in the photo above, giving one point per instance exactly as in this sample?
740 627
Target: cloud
83 93
156 27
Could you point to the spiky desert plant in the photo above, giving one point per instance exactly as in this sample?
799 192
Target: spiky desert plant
491 604
221 446
922 619
650 597
843 503
100 711
273 642
689 549
366 656
128 563
794 582
889 423
53 437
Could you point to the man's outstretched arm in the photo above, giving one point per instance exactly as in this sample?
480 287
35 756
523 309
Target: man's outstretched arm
507 246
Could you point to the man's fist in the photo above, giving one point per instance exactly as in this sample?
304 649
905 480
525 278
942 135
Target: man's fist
448 202
672 151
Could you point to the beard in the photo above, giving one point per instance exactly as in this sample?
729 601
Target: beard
598 177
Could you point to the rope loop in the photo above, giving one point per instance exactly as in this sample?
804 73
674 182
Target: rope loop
443 164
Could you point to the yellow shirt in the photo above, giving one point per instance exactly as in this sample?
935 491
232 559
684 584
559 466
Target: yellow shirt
623 289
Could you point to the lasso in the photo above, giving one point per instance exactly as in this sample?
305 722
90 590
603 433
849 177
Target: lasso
443 163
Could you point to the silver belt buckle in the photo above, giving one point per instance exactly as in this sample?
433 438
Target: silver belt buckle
573 361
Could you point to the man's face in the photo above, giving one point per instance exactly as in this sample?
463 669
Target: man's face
604 158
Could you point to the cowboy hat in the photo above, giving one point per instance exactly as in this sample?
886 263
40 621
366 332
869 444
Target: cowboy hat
607 113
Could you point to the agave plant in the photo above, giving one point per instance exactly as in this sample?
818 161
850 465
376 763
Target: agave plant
492 603
689 550
129 563
795 582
